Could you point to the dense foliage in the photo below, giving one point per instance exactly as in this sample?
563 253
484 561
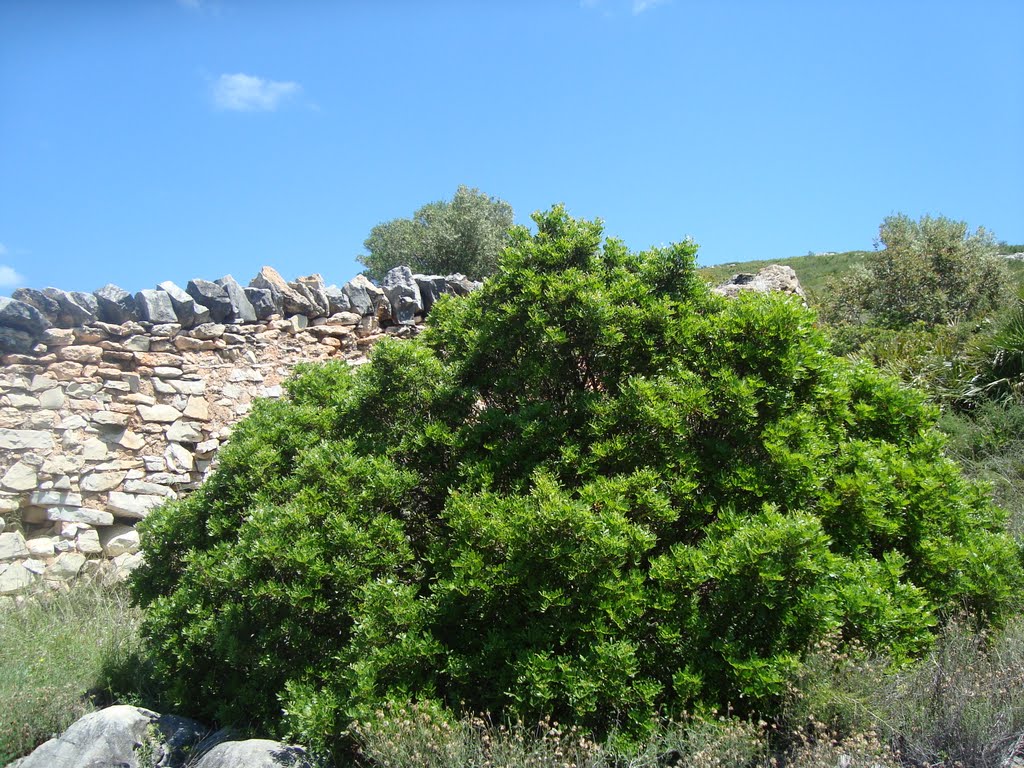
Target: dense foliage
592 490
464 234
932 271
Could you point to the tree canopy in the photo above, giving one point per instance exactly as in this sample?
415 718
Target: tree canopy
464 234
591 490
932 271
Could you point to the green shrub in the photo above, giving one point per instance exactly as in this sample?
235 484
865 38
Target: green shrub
592 490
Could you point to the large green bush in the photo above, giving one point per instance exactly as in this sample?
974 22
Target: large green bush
591 490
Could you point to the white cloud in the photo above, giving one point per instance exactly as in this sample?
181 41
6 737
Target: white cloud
639 6
246 93
9 278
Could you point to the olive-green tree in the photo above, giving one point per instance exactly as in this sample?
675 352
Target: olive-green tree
464 234
933 271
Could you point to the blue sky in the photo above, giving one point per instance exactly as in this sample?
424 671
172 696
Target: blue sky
149 140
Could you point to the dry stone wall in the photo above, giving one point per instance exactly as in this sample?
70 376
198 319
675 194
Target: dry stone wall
112 403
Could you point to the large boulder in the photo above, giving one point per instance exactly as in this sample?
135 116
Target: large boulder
292 302
122 736
460 285
115 305
242 310
363 295
774 277
76 308
254 753
313 289
48 307
403 294
211 296
184 305
432 287
337 300
155 306
22 317
264 302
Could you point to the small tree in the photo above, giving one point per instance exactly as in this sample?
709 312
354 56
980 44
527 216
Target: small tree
463 235
933 271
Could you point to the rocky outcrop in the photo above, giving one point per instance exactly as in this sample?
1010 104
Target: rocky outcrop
774 277
133 737
102 422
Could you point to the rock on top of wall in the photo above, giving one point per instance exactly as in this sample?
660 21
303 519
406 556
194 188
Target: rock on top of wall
774 277
403 293
211 296
115 305
242 310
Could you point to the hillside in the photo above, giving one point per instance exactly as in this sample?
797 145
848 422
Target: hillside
816 270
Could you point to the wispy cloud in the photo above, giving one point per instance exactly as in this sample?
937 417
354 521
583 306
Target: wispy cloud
247 93
639 6
9 278
611 8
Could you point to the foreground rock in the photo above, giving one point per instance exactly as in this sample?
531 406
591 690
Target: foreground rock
133 737
774 277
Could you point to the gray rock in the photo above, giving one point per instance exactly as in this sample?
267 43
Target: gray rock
337 300
115 304
76 308
19 316
121 736
432 287
66 567
25 439
264 302
254 753
15 578
184 305
313 289
16 342
404 295
155 306
242 310
211 296
119 539
12 546
292 302
774 277
49 308
363 295
133 506
461 285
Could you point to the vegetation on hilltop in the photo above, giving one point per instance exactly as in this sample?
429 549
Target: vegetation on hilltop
591 491
464 234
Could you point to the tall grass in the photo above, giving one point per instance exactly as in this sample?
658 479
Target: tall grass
62 655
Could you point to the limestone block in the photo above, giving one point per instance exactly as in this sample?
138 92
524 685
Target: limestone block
14 578
83 354
66 567
184 432
20 477
152 489
94 449
25 440
119 540
99 482
55 498
159 413
88 542
16 400
68 515
132 506
179 458
104 419
197 408
40 546
136 344
52 398
12 546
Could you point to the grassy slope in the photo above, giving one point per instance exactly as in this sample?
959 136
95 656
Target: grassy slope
815 271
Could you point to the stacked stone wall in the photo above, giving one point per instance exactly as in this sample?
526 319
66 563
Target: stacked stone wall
102 421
